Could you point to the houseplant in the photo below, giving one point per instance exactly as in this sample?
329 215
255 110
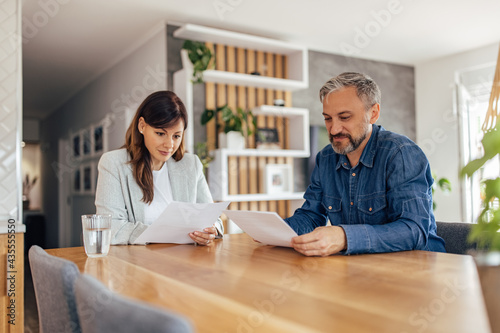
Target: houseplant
234 126
443 184
200 56
486 232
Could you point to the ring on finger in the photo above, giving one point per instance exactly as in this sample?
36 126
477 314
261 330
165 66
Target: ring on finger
208 241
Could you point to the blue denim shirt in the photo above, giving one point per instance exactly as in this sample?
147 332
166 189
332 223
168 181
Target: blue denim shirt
384 204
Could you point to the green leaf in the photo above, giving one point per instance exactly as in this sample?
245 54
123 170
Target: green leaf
492 189
206 116
444 184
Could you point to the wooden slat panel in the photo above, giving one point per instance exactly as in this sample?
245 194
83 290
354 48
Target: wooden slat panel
210 103
288 94
231 101
261 122
242 103
220 65
245 174
253 179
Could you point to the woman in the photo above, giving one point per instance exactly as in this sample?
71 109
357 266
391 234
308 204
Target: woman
138 181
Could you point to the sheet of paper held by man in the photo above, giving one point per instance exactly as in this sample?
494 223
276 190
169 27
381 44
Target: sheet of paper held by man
265 227
179 219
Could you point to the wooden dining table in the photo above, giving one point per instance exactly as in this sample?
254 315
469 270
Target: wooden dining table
239 285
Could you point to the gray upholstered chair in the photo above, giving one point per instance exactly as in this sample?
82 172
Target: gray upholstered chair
455 236
54 280
101 311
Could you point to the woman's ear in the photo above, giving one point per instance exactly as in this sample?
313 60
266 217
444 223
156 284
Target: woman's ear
141 124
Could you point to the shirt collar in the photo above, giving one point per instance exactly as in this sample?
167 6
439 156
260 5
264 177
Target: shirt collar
368 154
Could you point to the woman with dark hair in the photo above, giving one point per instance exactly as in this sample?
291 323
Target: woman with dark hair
138 181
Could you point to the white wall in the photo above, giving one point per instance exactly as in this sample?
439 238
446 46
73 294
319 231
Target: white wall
11 111
437 123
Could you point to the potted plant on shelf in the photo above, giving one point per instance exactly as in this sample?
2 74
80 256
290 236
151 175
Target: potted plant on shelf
233 127
200 56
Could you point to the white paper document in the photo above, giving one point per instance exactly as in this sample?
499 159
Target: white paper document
179 219
265 227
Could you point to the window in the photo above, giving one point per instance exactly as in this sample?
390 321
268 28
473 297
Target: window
474 88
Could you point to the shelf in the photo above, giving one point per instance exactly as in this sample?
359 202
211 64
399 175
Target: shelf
224 152
249 80
206 34
297 64
298 127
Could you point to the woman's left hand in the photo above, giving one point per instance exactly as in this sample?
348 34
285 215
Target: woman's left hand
205 237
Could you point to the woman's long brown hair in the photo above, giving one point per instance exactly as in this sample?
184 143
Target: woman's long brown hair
161 109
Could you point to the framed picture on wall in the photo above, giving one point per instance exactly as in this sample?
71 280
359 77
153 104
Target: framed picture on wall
278 178
77 181
99 138
86 137
76 145
88 185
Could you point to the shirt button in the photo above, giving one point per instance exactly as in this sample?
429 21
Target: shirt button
329 207
370 209
352 203
353 174
345 163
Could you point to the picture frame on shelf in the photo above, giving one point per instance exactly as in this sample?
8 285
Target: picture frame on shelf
278 178
267 138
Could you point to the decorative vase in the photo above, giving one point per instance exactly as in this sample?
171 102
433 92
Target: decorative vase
232 140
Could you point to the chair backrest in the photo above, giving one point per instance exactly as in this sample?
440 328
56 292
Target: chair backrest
101 311
54 280
455 236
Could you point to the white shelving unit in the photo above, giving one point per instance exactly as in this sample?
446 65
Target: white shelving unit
298 126
299 147
298 78
298 70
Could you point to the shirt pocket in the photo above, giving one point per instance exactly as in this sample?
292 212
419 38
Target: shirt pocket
371 209
333 208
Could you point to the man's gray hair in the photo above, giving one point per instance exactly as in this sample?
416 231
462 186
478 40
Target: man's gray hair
367 90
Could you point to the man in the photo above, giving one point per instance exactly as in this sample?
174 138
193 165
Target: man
374 186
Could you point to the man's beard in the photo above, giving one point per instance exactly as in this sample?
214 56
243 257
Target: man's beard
353 143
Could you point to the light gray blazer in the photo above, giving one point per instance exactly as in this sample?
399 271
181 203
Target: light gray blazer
118 193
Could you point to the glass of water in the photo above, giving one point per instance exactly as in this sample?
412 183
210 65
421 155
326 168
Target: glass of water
96 234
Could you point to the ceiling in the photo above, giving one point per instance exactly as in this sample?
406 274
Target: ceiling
67 44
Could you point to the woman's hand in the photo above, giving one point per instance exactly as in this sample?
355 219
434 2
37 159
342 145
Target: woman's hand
205 237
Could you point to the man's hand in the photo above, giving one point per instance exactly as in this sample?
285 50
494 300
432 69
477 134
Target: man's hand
322 241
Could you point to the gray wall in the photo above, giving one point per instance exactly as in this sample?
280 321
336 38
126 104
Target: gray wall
396 82
111 95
